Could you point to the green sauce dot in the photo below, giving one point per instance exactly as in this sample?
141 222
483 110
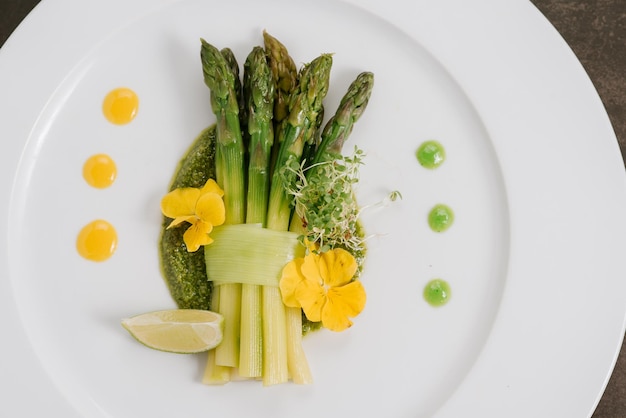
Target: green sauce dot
440 218
437 292
430 154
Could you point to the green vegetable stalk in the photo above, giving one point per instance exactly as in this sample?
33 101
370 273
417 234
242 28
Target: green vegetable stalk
285 76
350 109
282 338
231 60
299 128
229 166
328 173
258 91
338 128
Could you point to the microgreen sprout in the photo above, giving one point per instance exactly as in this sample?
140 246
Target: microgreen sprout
324 200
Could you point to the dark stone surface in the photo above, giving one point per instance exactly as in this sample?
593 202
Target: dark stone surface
12 12
596 32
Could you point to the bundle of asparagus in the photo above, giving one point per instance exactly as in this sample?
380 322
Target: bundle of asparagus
268 141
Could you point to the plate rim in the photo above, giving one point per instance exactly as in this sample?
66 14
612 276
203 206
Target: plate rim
435 41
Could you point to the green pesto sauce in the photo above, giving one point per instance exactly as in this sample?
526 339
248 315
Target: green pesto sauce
430 154
308 325
185 272
440 218
198 164
437 292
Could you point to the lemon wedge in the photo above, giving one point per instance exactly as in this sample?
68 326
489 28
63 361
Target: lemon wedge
184 331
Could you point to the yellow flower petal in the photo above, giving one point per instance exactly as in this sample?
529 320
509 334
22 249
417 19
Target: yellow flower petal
210 208
337 267
180 220
196 235
290 278
322 285
180 202
343 303
212 187
351 297
311 268
312 298
334 318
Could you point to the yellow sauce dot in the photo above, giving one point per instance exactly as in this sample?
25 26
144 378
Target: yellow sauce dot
120 105
97 241
99 171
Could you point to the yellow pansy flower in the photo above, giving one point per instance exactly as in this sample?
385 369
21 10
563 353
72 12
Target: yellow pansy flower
322 285
202 208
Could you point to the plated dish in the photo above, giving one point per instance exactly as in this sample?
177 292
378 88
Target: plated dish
525 251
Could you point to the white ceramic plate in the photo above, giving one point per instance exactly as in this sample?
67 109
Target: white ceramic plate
534 175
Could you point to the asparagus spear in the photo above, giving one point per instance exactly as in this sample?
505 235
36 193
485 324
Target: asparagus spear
334 135
285 76
350 109
259 98
259 94
219 78
339 127
310 147
282 337
231 60
284 72
305 107
215 374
